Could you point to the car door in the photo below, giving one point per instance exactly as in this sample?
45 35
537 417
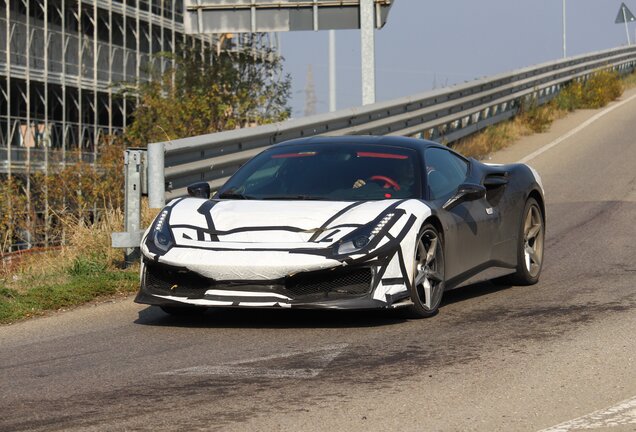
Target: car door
470 226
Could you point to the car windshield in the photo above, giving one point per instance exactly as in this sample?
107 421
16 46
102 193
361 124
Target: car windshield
328 171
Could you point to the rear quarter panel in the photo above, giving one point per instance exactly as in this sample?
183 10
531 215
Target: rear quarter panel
522 183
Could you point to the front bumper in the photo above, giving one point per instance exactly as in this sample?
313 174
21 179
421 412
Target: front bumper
348 287
229 262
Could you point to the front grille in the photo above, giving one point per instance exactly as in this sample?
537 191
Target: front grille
184 283
180 283
356 282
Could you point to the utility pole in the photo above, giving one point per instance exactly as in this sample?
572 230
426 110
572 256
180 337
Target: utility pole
367 42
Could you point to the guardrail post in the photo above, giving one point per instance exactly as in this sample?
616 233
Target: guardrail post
133 166
156 176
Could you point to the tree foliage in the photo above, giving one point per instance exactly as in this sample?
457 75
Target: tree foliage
208 91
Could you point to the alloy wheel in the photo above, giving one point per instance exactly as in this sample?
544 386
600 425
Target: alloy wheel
429 270
533 235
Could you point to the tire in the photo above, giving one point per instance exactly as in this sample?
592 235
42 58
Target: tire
183 311
427 287
530 246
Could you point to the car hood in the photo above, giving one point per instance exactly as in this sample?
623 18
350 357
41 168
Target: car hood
254 221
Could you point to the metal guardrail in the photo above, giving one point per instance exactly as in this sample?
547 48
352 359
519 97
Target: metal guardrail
444 115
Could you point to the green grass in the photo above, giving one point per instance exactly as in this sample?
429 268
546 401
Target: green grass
85 280
84 270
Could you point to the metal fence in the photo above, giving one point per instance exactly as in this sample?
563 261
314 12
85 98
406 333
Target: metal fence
444 115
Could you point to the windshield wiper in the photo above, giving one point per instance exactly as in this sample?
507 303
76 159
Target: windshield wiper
235 195
294 197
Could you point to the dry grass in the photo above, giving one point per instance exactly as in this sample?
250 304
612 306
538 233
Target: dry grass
602 88
84 269
93 240
86 243
492 139
629 81
497 137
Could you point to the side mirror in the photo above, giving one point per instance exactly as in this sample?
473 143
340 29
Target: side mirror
199 190
465 192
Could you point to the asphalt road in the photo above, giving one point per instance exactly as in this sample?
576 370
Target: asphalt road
495 358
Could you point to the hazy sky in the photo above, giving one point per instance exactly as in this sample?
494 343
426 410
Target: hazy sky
451 41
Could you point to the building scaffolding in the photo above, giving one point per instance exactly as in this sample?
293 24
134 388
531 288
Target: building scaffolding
60 64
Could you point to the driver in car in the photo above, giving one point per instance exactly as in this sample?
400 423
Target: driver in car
403 178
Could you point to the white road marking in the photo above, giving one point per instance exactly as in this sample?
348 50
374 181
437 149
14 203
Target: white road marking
576 130
320 359
619 415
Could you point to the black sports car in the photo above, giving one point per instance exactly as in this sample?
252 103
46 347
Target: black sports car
347 223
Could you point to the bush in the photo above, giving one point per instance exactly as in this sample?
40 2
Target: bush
596 92
570 97
539 118
601 88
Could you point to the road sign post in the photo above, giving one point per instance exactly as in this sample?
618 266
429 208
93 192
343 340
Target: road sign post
625 21
625 16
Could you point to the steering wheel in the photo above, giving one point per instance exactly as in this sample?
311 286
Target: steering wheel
388 181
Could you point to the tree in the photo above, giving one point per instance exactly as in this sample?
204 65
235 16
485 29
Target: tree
208 91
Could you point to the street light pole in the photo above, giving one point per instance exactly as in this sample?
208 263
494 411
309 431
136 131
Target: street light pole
332 70
565 51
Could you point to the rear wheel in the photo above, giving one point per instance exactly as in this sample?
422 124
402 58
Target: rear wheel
427 288
183 311
530 246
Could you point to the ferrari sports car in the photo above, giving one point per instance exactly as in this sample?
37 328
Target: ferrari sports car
345 223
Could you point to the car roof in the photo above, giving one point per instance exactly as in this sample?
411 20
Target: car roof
396 141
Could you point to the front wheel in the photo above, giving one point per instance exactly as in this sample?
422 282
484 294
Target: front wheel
427 287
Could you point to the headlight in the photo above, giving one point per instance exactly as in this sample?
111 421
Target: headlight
161 236
361 237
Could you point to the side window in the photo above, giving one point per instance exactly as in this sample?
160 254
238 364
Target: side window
444 172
